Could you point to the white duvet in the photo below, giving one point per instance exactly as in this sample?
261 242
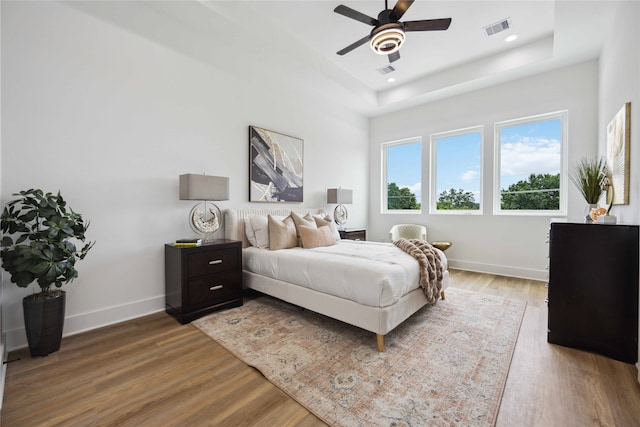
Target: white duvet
370 273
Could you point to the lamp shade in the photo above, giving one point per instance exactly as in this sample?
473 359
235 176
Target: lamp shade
203 187
340 196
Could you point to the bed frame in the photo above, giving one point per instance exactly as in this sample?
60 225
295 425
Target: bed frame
379 320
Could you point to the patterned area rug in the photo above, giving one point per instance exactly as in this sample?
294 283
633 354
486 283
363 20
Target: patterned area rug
445 366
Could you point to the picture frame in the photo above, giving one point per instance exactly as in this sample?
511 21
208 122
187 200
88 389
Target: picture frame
618 163
276 166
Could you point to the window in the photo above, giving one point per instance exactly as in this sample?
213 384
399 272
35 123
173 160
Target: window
456 171
530 165
402 176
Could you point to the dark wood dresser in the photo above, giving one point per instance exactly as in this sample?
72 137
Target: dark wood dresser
593 288
202 279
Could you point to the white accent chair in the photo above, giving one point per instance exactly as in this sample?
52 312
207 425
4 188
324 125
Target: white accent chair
408 231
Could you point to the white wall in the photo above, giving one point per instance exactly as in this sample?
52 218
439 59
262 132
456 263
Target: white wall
509 245
3 348
109 102
620 83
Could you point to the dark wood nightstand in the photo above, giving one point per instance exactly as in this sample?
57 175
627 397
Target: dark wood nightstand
353 233
202 279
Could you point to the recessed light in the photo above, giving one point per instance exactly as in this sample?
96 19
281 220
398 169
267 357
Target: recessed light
511 38
391 79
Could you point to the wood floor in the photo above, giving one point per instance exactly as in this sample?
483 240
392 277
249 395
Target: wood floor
153 371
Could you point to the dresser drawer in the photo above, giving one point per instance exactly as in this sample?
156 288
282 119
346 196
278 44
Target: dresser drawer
214 289
212 261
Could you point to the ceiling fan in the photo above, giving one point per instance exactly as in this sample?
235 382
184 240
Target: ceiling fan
388 32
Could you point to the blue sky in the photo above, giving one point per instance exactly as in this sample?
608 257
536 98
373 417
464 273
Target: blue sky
525 149
403 167
458 165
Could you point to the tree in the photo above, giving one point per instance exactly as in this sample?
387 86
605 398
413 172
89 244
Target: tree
457 199
401 198
539 192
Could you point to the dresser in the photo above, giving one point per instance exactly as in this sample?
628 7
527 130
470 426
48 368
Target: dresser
202 279
593 288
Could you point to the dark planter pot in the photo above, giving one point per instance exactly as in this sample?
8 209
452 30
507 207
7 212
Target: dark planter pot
44 321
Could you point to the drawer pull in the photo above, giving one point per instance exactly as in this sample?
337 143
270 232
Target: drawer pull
215 261
216 288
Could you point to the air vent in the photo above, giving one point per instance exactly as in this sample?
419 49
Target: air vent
492 29
386 70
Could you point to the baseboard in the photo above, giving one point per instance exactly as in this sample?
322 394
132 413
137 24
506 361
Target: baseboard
17 338
501 270
3 370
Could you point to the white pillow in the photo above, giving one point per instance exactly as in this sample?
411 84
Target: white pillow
260 226
248 231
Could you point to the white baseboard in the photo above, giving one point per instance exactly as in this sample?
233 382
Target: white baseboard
501 270
17 338
3 370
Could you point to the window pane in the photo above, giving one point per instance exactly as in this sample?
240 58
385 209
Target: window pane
530 165
458 174
403 175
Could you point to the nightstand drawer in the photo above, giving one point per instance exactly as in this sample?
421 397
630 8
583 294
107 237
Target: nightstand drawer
212 262
210 290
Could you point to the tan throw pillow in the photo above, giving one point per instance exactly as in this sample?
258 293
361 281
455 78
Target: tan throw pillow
282 233
314 237
302 220
326 220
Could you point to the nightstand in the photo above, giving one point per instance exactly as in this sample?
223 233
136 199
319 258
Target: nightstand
202 279
353 233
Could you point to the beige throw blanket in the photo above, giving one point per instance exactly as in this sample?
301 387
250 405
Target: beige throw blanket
430 266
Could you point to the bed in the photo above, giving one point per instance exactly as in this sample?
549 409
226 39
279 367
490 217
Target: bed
355 295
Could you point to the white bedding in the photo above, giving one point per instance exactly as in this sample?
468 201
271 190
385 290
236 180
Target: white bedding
369 273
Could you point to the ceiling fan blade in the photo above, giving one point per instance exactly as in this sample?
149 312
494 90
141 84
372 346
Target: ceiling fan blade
354 45
427 25
354 14
400 8
393 57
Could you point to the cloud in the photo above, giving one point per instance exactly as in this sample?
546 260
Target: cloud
469 176
530 155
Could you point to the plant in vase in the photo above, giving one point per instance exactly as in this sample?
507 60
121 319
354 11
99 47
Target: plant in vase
587 176
38 245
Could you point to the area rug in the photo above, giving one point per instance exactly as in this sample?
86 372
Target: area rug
444 366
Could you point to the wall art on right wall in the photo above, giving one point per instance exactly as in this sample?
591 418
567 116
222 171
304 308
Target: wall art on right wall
618 141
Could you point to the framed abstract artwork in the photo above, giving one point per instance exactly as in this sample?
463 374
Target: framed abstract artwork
275 166
618 141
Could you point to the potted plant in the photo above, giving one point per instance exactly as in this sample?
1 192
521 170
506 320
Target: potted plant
587 175
39 244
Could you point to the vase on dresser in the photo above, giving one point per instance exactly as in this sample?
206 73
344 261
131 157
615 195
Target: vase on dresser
587 211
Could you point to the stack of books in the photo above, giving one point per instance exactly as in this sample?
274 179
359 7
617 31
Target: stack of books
187 243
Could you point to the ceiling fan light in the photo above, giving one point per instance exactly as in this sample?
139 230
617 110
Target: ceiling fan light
385 41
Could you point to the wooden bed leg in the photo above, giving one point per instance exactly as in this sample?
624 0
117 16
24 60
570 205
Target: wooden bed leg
380 343
442 294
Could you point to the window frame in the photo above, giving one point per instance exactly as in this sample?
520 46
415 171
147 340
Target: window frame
433 191
563 115
384 176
